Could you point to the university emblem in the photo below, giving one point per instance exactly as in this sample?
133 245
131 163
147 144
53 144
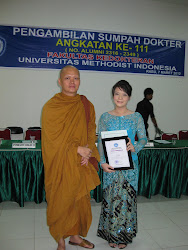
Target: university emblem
2 46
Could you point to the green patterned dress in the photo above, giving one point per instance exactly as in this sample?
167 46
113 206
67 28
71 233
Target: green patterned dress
118 218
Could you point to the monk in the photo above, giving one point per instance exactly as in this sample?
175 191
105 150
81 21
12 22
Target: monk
68 144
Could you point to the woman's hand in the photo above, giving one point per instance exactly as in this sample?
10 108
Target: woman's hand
84 161
84 152
130 146
107 168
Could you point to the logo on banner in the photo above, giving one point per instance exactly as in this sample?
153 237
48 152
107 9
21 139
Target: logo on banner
2 46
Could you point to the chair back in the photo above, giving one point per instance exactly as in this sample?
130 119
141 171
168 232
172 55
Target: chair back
35 128
168 136
33 132
16 133
16 130
183 135
5 133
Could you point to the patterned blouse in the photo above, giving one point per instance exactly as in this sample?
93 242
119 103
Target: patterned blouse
134 124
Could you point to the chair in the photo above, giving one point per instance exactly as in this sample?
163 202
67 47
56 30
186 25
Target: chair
33 132
5 133
35 128
169 136
183 134
16 133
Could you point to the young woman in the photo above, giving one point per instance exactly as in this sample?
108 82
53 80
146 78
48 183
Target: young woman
118 219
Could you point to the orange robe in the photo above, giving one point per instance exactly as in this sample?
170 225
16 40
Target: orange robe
67 183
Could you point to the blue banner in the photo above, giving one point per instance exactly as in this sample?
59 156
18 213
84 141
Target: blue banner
34 47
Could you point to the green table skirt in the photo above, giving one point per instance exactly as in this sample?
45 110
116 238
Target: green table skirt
21 176
162 171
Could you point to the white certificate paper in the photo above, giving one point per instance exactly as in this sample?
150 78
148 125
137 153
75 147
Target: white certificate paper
114 133
117 153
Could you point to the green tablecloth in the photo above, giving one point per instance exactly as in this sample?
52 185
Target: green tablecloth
21 174
163 170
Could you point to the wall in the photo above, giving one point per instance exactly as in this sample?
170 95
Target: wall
23 92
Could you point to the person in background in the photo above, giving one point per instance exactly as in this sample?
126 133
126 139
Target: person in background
118 218
68 144
145 108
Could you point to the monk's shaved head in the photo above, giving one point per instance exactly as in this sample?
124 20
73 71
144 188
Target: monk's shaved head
69 80
63 70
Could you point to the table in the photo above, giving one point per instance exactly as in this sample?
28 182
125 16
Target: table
163 170
21 174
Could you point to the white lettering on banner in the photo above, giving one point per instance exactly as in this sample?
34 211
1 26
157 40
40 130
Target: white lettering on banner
47 60
118 38
154 67
106 64
91 50
162 42
54 33
38 32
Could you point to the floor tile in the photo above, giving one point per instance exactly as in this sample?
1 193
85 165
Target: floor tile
147 208
144 241
177 248
14 225
170 206
41 228
1 208
17 213
102 246
162 224
184 203
45 243
169 237
155 221
179 218
21 244
140 227
184 229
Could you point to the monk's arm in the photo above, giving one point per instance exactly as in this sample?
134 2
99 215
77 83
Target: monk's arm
91 128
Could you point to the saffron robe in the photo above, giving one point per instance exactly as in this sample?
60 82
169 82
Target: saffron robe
67 183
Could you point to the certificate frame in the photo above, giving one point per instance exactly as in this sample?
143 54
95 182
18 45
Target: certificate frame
128 156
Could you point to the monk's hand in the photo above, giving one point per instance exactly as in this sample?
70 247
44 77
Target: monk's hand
84 161
130 146
107 168
84 152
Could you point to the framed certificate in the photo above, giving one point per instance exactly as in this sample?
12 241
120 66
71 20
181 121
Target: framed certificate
116 154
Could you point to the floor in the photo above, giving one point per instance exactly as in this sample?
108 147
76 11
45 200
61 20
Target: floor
162 224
